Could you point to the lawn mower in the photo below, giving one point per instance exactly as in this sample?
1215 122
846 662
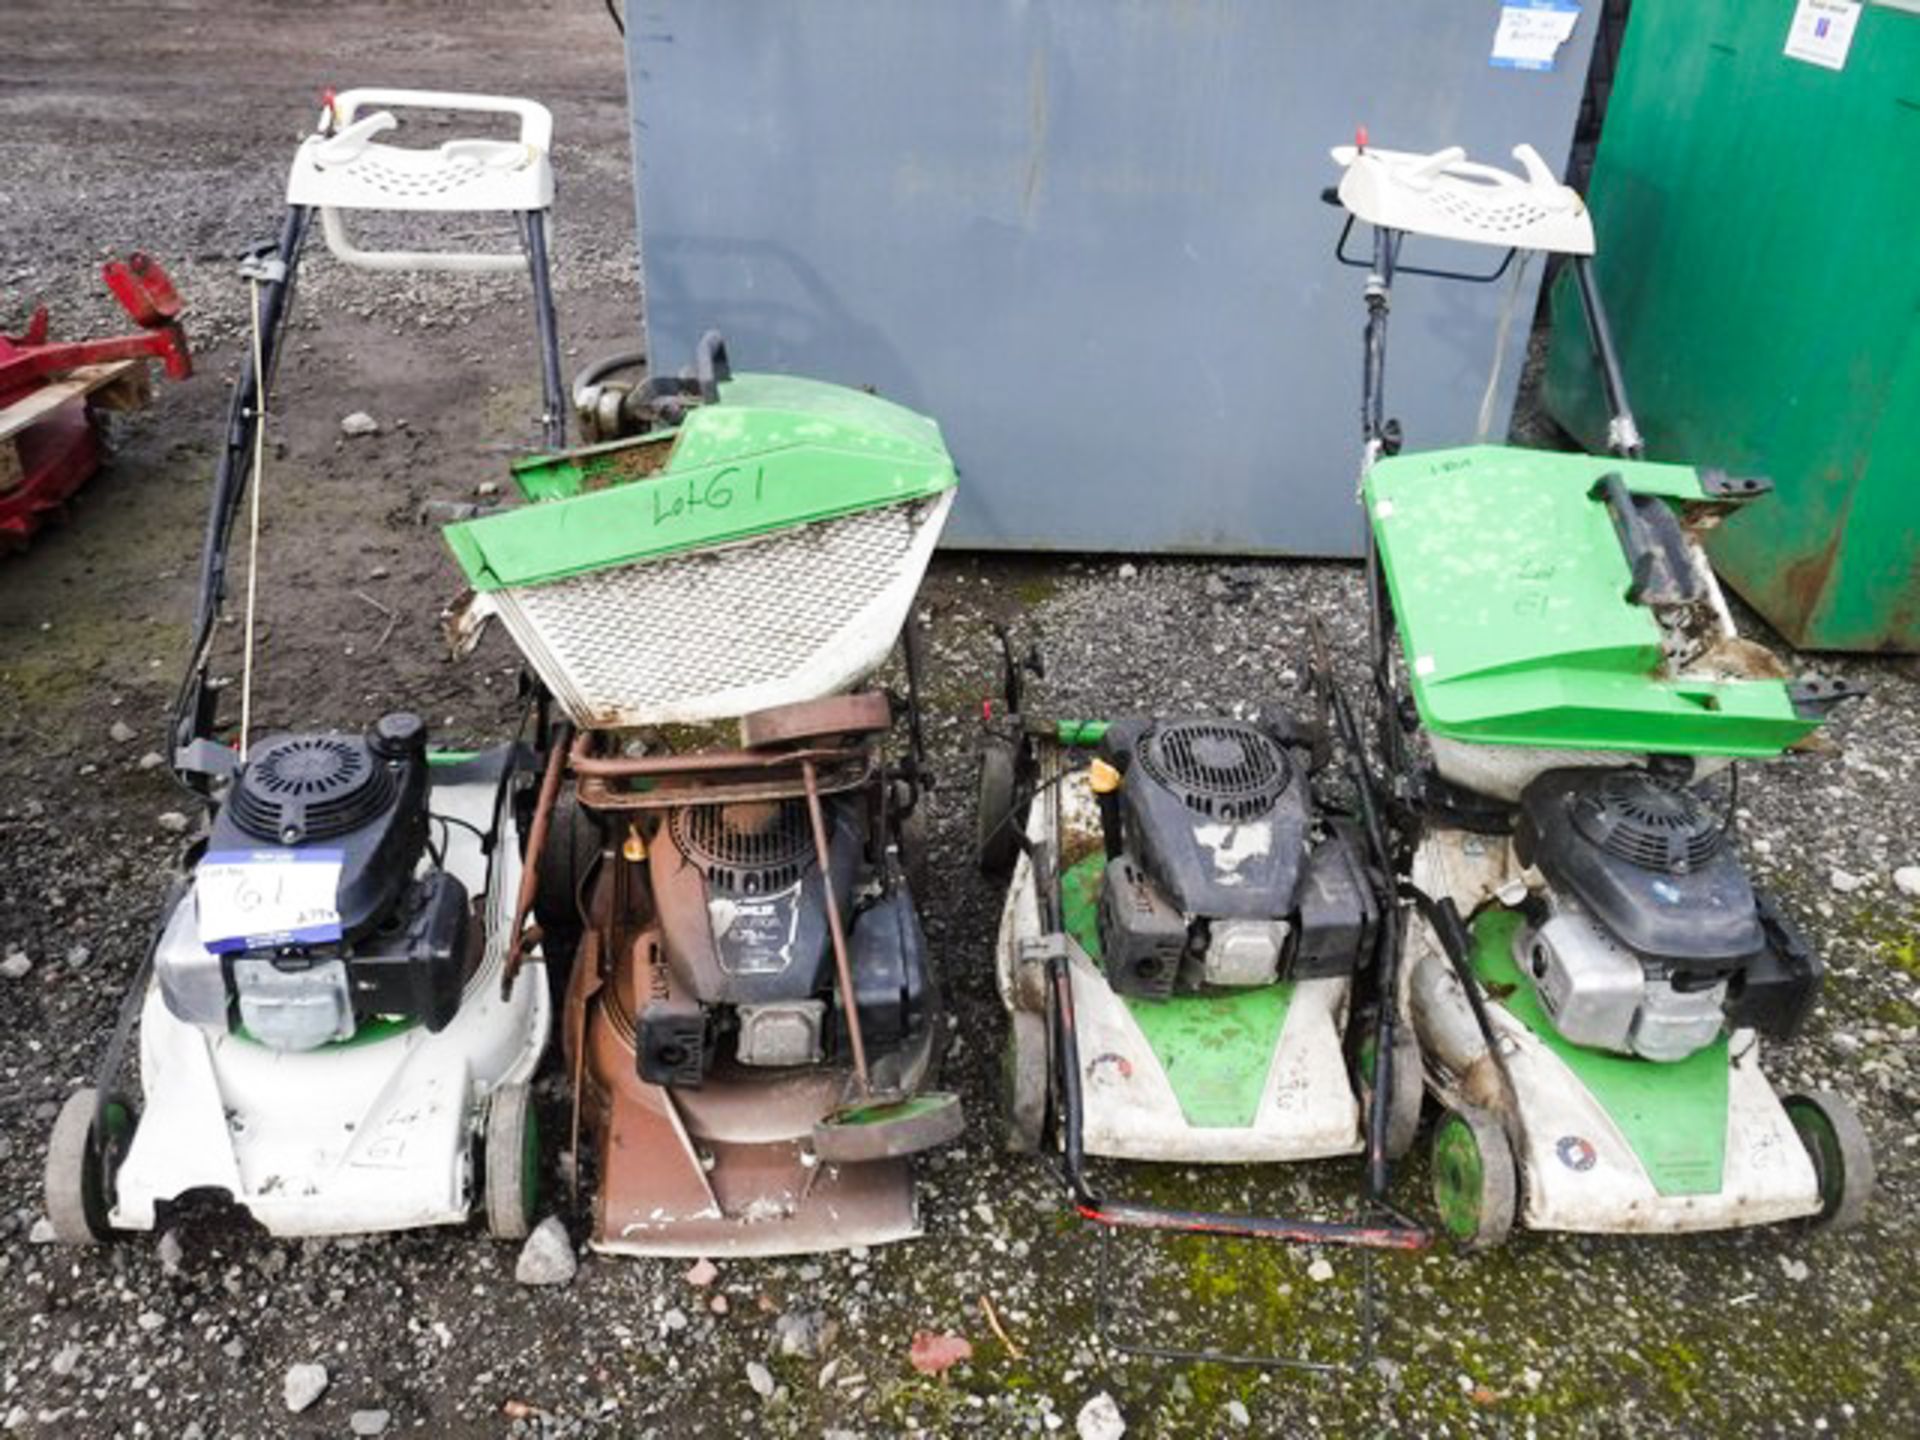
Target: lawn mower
324 1037
722 840
1192 953
1588 964
53 394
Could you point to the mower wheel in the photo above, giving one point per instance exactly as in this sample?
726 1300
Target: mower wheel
572 848
79 1174
1024 1074
912 839
1474 1182
512 1163
1409 1082
1842 1156
999 824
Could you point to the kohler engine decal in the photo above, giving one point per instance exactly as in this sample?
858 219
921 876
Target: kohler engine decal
755 936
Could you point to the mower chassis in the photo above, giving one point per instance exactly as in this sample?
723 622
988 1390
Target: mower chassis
1575 1166
370 1135
1307 1108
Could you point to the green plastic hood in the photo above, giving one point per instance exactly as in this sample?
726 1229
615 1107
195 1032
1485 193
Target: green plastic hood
1510 585
775 451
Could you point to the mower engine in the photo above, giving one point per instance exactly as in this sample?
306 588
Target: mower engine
311 913
1652 938
1220 873
748 964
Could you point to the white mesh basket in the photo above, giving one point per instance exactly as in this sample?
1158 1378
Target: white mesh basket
716 633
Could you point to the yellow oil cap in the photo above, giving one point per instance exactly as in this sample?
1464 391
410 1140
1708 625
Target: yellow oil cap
1103 778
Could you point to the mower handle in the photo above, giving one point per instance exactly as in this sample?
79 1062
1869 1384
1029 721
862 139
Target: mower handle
536 121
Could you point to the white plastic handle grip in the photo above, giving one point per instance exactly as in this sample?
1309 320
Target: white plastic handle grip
536 121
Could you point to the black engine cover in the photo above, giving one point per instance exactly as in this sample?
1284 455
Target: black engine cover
365 796
1640 854
1216 814
743 902
404 937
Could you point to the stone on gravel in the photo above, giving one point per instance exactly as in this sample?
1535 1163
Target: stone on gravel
547 1258
304 1385
798 1333
169 1252
42 1232
66 1361
702 1273
152 760
1100 1419
1127 571
446 512
150 1320
359 423
78 955
1907 879
1844 883
120 732
761 1379
1239 1415
1320 1271
674 1320
16 965
369 1422
171 821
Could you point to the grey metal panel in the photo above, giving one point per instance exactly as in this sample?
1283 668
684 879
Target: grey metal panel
1083 234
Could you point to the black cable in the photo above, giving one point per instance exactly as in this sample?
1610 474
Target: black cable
613 13
467 825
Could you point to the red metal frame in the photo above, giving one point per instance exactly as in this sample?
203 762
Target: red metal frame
58 451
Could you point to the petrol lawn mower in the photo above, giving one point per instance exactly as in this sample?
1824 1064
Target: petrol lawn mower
752 1018
1588 964
324 1037
53 394
1192 955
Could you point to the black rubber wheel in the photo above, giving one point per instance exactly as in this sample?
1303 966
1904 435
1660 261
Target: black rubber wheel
1025 1069
913 850
998 841
79 1173
571 850
512 1163
1409 1093
1475 1186
1842 1156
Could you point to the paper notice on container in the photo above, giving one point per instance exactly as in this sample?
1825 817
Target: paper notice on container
1531 32
246 899
1822 32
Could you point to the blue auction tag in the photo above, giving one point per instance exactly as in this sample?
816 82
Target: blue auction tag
249 899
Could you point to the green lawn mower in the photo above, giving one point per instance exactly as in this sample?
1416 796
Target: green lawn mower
1588 965
1196 936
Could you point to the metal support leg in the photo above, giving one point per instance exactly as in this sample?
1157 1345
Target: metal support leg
553 421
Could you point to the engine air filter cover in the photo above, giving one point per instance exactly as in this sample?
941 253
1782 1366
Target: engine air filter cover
753 848
297 788
1647 821
1646 860
1223 769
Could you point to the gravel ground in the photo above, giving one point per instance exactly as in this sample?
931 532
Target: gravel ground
210 1328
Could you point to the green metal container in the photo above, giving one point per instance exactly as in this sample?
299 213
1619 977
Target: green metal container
1759 249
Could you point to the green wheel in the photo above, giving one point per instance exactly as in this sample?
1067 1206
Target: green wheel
998 843
512 1173
1842 1156
1474 1184
79 1173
